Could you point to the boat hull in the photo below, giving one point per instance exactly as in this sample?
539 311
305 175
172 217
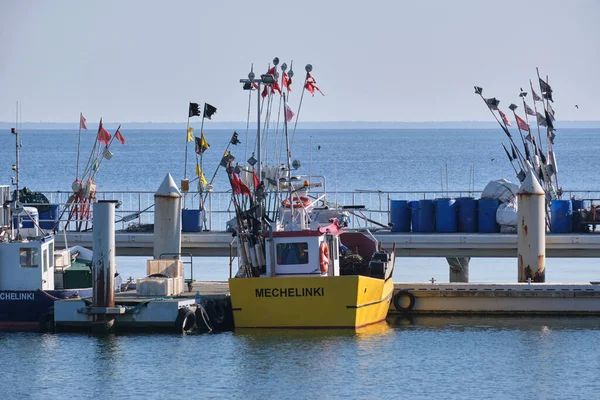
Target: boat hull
23 309
309 302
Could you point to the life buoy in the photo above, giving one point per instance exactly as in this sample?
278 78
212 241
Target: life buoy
324 257
398 298
298 202
185 321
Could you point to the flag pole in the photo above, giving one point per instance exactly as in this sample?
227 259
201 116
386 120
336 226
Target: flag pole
201 189
504 128
549 146
536 122
300 104
527 154
186 147
248 117
215 173
78 147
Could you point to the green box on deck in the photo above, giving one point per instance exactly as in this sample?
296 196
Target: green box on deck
77 276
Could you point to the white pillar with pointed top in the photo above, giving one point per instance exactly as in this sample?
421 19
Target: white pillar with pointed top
167 218
531 229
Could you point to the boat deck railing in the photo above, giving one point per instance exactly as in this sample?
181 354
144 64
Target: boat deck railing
368 208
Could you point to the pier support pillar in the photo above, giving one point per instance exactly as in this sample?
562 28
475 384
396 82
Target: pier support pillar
459 269
103 262
531 230
167 218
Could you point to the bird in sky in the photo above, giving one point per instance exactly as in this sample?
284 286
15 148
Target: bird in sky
576 106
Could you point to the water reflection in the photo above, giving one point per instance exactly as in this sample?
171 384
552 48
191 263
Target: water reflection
525 323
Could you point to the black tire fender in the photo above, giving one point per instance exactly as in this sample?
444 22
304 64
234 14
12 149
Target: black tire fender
46 322
398 298
185 321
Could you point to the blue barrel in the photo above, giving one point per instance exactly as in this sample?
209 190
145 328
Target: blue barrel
400 216
426 220
577 206
48 218
486 216
467 214
445 215
562 216
414 214
192 220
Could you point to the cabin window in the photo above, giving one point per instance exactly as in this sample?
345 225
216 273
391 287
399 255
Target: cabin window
292 253
51 253
29 257
45 260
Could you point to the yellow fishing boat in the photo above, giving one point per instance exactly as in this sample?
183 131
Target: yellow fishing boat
303 285
299 266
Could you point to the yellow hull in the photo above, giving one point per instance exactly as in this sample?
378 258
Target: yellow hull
309 302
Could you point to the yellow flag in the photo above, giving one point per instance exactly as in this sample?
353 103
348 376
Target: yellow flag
190 134
201 175
203 144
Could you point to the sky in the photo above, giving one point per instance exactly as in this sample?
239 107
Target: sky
390 60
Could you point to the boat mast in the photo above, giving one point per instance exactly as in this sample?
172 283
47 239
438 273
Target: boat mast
16 133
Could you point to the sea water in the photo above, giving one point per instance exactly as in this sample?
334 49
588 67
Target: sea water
447 357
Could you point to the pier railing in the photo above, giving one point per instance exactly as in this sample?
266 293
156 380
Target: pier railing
135 209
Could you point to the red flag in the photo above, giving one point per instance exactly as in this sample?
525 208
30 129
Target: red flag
118 135
310 84
289 114
504 118
103 135
286 81
271 71
255 85
276 87
265 92
238 186
82 122
522 124
256 181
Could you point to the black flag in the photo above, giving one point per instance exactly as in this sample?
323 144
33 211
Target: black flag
492 103
507 153
541 120
529 111
234 139
514 152
209 110
227 159
546 90
194 110
549 120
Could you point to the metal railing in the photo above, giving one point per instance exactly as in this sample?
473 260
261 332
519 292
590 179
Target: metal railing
136 208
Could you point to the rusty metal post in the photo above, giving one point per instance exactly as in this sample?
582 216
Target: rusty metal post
103 260
531 230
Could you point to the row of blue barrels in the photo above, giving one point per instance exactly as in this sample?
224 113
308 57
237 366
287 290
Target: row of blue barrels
466 214
446 215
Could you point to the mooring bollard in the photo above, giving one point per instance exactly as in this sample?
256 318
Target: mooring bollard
103 260
531 230
167 218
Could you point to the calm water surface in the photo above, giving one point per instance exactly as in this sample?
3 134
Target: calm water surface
454 358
